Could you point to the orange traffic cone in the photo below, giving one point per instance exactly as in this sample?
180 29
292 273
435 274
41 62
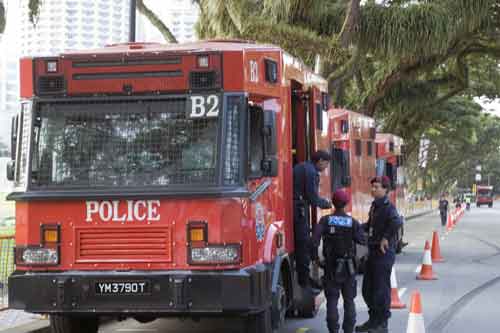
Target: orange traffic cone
395 301
416 318
436 251
426 270
449 222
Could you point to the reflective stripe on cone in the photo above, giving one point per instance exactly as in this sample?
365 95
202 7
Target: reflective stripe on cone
415 319
395 301
426 270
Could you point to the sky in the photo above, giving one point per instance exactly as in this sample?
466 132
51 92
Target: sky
490 106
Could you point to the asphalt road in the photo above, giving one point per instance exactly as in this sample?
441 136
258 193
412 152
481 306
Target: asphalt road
463 299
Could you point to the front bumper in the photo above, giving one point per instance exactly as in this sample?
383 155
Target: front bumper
172 292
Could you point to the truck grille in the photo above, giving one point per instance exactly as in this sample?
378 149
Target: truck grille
50 85
204 80
134 245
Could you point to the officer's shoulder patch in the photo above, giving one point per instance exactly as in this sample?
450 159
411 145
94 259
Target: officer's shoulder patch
340 221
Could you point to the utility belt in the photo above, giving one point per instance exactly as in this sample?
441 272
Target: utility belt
374 246
343 267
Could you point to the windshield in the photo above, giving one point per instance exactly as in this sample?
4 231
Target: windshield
484 193
123 143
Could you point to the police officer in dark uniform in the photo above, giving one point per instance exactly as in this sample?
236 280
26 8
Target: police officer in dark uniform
340 233
443 209
382 227
305 194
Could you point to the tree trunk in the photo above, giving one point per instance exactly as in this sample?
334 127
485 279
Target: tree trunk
155 21
351 23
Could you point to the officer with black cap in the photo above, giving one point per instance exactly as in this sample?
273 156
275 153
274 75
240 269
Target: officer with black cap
383 224
340 233
306 194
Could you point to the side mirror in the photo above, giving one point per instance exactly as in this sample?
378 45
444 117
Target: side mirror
11 166
270 166
13 137
344 126
269 131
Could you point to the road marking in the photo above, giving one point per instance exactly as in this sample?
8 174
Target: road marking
401 292
137 330
419 268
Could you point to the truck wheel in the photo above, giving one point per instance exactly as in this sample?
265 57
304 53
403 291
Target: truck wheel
490 205
69 324
259 322
280 305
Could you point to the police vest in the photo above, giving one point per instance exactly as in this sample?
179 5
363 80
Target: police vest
338 238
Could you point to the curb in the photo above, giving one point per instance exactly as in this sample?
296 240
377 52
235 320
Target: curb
412 217
38 326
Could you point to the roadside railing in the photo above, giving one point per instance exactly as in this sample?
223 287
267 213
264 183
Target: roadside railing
6 267
418 207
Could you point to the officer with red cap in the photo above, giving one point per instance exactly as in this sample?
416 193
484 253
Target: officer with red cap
382 226
340 233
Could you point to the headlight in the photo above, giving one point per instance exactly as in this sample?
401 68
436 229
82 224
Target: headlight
37 256
216 254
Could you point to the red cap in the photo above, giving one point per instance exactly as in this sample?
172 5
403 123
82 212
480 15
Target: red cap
384 180
340 198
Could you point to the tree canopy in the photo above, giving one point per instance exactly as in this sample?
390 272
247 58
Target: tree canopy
413 65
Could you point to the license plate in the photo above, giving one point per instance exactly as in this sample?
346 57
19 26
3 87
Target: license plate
122 287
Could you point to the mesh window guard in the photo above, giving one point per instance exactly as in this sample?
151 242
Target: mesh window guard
123 143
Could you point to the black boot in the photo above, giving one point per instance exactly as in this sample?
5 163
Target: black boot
380 328
366 326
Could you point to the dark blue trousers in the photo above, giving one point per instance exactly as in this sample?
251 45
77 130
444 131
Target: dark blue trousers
333 289
303 246
444 216
377 284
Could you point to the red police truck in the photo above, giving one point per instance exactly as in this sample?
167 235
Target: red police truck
484 195
353 158
156 180
390 163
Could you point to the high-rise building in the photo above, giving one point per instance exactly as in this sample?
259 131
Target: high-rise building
62 25
179 16
74 24
9 70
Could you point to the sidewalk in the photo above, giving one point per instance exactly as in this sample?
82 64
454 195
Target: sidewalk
11 319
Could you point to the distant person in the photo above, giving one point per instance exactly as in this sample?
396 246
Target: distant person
340 233
305 195
467 202
443 209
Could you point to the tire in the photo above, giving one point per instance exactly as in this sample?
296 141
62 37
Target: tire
259 322
490 205
69 324
280 305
